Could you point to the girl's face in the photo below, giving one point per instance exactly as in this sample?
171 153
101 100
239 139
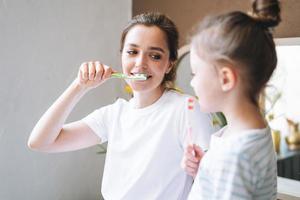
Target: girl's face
146 51
205 83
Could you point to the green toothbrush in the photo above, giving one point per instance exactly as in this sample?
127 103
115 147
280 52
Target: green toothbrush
139 77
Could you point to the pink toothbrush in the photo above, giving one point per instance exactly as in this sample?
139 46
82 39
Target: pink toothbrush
190 121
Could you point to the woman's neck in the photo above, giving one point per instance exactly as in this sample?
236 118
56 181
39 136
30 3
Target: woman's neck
147 98
243 115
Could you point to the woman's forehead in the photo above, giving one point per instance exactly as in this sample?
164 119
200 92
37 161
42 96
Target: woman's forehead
146 36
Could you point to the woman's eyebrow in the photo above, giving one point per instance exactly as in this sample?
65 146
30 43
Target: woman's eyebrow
132 44
151 48
157 49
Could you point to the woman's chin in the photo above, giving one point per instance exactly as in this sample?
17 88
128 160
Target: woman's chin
138 84
140 88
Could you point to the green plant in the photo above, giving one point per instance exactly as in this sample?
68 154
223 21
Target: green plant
218 119
102 148
269 101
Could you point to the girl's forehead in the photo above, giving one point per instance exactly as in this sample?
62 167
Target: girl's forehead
194 56
196 59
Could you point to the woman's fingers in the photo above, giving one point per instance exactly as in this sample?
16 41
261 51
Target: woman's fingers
83 72
99 71
91 71
107 72
92 74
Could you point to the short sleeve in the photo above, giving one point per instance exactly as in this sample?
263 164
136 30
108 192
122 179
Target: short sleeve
233 177
97 122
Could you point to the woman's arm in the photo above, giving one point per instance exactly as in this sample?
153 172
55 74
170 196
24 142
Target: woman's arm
51 134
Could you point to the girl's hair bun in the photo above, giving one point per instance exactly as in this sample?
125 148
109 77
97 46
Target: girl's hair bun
266 12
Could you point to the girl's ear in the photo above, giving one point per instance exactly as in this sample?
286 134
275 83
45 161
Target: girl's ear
227 78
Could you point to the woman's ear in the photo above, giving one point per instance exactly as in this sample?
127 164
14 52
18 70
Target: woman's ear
171 65
227 78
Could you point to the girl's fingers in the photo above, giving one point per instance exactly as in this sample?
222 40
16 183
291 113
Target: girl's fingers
192 165
190 157
190 171
190 153
191 168
199 153
190 149
91 71
191 160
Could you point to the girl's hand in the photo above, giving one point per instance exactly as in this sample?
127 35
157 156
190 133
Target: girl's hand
191 159
92 74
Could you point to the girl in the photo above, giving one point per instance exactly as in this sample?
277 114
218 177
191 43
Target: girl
146 135
232 57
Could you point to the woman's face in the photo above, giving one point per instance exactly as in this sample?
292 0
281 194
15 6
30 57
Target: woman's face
146 51
205 83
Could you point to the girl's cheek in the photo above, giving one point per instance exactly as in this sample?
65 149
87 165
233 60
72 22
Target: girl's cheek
192 83
195 81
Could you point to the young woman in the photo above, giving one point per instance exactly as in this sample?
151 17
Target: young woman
146 135
232 57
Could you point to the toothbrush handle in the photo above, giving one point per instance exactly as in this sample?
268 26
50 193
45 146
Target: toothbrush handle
118 75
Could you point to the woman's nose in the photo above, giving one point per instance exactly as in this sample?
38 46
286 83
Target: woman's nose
141 61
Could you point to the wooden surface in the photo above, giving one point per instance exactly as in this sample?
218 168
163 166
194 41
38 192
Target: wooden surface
187 13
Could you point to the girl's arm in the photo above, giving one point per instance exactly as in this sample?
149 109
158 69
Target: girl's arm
51 134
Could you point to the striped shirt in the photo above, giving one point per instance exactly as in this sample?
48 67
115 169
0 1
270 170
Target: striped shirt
238 166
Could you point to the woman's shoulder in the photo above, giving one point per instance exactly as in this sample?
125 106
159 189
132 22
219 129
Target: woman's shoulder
118 104
178 96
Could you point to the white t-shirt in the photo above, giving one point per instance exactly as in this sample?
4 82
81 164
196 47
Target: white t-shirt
145 147
239 166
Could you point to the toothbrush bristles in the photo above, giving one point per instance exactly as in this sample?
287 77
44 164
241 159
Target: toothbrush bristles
190 104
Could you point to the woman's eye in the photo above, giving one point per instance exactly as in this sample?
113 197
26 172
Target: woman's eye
131 52
156 56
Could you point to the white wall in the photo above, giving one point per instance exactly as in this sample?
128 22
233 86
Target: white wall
42 44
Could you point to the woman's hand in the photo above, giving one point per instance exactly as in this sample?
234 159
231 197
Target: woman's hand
92 74
191 159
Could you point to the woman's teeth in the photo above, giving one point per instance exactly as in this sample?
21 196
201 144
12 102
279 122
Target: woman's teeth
146 76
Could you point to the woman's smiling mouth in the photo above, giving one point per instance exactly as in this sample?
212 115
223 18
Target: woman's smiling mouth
141 74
